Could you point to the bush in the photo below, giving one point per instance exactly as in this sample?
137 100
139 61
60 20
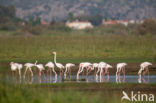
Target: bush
148 27
60 27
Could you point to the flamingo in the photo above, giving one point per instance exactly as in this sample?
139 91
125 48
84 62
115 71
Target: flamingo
120 68
101 66
16 66
68 68
29 67
58 65
143 70
83 65
50 66
95 66
107 71
40 68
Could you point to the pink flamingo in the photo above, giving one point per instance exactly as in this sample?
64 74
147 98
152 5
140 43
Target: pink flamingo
143 70
120 68
58 65
83 65
68 69
29 67
15 67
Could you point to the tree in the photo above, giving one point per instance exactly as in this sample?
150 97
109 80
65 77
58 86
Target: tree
148 27
70 17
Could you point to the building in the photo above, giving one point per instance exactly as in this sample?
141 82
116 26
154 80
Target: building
79 24
43 22
124 22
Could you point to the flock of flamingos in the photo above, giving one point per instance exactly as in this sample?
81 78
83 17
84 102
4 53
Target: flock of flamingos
101 68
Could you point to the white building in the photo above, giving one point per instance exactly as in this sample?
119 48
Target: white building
79 24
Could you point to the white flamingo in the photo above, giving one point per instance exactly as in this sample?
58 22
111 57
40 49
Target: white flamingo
29 67
58 65
95 67
15 67
83 65
120 68
68 69
143 70
107 70
40 68
50 66
101 66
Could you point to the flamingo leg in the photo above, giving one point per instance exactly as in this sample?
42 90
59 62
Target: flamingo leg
123 71
31 72
87 72
54 71
65 73
19 73
101 71
25 72
107 72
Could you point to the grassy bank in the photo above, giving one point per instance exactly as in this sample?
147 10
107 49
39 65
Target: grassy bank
69 92
77 46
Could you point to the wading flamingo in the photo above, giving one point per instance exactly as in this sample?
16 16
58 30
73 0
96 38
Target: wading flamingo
120 68
143 70
29 67
58 65
83 65
40 68
95 67
106 70
68 69
101 66
15 67
50 66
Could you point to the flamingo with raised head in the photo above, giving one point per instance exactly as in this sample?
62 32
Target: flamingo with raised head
58 65
68 69
120 69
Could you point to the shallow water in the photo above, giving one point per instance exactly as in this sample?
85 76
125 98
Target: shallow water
91 78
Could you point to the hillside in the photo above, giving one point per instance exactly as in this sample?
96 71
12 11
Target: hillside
59 9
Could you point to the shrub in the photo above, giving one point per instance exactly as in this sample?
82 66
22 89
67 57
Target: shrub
148 27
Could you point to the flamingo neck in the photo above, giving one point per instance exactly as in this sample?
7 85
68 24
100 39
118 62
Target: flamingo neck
55 58
35 63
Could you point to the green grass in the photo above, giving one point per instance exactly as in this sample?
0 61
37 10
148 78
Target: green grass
69 92
78 46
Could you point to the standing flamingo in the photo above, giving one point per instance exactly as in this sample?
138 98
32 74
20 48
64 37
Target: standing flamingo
143 70
15 67
120 68
68 69
95 67
58 65
83 65
40 68
101 66
50 66
29 67
107 71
